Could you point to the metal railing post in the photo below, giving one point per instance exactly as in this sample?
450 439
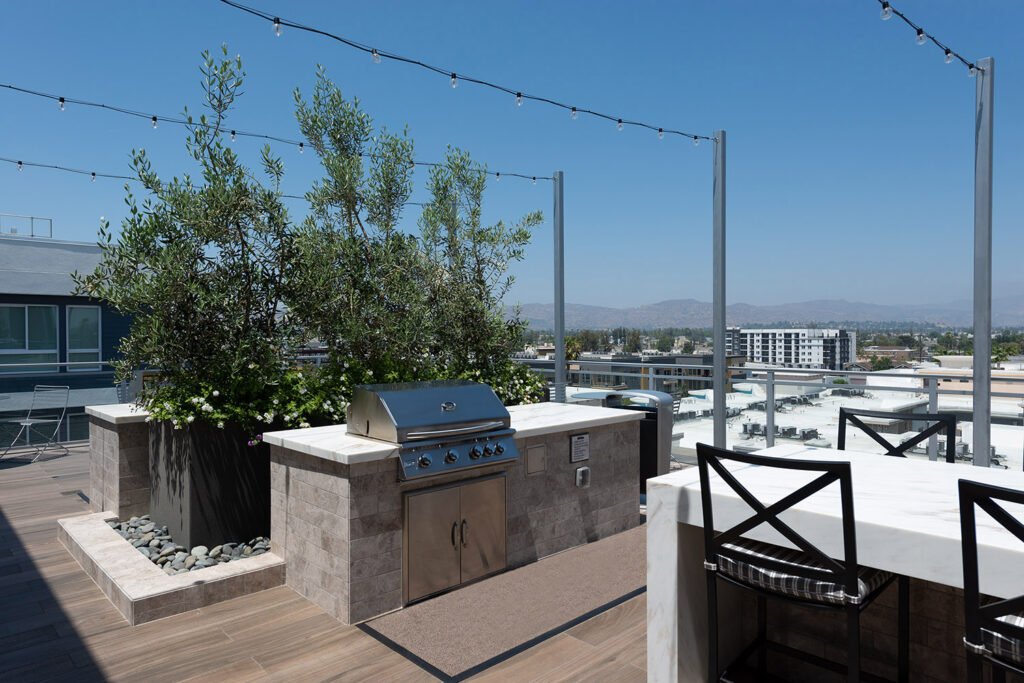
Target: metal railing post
559 223
718 289
982 415
933 407
769 409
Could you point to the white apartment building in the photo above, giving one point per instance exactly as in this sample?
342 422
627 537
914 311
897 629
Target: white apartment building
806 348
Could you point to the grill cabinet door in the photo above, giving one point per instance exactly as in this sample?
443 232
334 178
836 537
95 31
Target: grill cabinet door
482 527
433 546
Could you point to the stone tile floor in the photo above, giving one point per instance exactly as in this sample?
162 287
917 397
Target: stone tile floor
57 625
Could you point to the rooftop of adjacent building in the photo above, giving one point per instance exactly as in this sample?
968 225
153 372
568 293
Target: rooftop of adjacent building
41 266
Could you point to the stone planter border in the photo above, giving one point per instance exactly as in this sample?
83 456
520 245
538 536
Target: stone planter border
142 592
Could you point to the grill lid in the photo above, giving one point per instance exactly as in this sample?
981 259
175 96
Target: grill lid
415 411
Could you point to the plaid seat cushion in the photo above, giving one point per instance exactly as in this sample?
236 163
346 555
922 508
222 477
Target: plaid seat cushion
794 584
1005 646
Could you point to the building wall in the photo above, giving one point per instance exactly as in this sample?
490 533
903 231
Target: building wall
828 349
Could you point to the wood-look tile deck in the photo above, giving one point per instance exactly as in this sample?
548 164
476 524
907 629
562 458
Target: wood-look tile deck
57 625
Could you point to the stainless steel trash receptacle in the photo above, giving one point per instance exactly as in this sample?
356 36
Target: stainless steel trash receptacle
655 429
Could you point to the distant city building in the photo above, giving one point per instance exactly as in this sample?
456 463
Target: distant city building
894 352
628 371
794 348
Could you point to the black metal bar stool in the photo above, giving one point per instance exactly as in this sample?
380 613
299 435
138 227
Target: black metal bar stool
805 576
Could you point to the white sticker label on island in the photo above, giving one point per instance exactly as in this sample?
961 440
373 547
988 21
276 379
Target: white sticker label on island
580 450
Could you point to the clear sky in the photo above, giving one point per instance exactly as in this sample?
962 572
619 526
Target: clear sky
850 149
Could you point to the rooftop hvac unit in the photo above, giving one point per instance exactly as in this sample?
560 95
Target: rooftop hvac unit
808 433
960 448
788 432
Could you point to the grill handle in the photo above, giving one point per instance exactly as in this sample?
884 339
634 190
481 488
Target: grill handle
455 528
464 533
452 432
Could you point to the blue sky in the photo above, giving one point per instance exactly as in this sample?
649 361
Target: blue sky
850 148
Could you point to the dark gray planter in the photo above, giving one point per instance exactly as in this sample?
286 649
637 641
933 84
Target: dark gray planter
207 485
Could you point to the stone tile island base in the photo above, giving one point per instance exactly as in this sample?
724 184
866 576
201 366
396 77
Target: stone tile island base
118 460
141 591
337 502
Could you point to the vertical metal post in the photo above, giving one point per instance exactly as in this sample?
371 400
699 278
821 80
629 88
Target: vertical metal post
983 262
718 294
559 221
651 371
933 407
769 409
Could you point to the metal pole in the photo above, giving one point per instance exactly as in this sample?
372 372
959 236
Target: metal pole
983 262
769 409
718 294
559 221
933 407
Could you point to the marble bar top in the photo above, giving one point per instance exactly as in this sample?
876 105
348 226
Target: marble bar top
907 513
118 413
335 443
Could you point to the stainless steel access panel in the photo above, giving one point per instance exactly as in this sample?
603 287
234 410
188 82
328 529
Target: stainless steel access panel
452 534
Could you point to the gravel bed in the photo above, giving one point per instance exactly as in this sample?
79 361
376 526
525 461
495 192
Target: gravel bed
158 547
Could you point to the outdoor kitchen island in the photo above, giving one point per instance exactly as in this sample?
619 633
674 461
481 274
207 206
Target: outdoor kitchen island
349 524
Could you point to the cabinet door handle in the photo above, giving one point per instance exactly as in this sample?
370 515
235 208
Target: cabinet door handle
464 533
455 527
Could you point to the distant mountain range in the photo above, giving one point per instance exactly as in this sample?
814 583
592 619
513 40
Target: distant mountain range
1006 312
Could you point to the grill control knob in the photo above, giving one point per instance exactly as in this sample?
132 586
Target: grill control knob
450 457
424 461
475 453
499 449
488 451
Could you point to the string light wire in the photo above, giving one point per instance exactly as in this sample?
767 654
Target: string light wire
456 78
153 118
922 36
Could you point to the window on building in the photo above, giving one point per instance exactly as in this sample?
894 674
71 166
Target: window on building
83 337
28 335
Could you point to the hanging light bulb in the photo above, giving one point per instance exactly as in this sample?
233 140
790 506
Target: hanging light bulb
949 56
661 134
921 37
574 115
62 104
696 141
886 12
20 167
232 136
277 27
300 148
972 71
519 99
455 81
534 180
93 178
618 125
376 56
154 123
497 177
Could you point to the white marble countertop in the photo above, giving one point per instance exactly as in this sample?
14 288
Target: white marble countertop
334 443
907 513
118 413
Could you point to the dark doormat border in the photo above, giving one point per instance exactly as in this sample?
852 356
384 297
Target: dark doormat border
501 657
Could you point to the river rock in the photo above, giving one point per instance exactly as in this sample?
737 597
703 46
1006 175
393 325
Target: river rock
146 528
200 551
189 561
216 550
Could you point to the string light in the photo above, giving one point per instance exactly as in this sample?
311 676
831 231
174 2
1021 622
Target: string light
575 115
497 176
574 111
922 37
696 141
184 122
300 148
618 126
93 177
62 104
277 27
376 57
20 167
534 178
661 134
519 99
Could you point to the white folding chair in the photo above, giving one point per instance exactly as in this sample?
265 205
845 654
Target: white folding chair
49 407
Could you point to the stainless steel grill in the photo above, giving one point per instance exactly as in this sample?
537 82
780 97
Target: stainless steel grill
439 426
